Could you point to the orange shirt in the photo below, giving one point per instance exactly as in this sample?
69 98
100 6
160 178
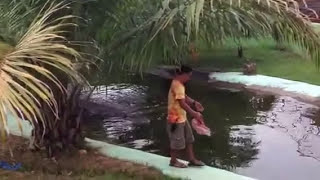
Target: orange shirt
176 114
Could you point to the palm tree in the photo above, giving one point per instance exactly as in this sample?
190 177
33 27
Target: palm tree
35 72
161 31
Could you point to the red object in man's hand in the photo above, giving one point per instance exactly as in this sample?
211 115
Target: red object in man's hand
199 126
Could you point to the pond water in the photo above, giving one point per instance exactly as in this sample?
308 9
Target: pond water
264 137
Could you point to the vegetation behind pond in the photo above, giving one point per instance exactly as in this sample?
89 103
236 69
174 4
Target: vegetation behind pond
288 63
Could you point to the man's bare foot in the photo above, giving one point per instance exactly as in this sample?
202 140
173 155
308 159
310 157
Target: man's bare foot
178 164
196 162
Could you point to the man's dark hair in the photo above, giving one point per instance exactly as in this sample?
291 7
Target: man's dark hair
183 70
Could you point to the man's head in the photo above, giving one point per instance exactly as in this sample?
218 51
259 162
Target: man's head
184 73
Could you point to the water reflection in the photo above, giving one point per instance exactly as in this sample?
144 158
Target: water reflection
296 119
243 125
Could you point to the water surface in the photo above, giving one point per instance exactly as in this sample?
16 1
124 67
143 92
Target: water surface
264 137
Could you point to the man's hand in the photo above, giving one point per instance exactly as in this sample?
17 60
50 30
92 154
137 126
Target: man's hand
198 106
197 115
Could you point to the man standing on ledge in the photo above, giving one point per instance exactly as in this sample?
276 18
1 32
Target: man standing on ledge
179 129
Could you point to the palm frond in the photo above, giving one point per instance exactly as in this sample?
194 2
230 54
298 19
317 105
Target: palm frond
165 36
12 24
31 65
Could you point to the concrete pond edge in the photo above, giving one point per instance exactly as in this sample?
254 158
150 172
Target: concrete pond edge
140 157
261 84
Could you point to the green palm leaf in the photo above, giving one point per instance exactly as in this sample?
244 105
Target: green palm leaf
210 22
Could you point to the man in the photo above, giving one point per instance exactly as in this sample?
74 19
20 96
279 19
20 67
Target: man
179 129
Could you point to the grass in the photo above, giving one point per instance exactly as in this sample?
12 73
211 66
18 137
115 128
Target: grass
72 165
8 175
289 62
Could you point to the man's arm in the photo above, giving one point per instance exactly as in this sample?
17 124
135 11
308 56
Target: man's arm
183 103
189 100
195 104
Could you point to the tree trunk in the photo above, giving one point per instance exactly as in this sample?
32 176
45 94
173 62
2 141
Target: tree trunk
240 51
63 131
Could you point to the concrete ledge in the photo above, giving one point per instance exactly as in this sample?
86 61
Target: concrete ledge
267 81
161 163
153 160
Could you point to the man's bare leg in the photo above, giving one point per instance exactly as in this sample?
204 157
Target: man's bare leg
190 153
174 161
191 157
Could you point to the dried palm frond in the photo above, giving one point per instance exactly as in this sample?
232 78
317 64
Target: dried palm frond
32 64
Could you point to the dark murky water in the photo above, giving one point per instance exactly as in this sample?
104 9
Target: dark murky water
261 137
